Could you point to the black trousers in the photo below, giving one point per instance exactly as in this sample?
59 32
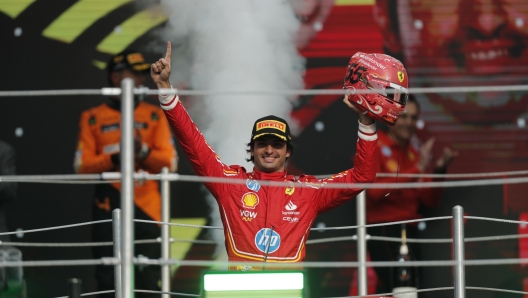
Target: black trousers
107 198
388 251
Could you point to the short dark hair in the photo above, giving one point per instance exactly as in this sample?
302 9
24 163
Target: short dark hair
289 146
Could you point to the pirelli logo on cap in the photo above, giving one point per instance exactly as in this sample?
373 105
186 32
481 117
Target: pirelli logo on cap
271 124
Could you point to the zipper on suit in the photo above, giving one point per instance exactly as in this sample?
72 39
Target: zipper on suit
267 248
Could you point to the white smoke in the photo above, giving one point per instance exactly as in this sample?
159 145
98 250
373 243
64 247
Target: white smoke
234 45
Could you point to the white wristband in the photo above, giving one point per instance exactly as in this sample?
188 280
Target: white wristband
367 132
168 101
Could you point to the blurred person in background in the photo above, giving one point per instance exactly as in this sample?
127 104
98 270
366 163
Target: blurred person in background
467 43
461 43
398 155
449 44
98 151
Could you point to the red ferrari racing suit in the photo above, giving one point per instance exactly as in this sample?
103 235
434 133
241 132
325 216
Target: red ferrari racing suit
388 205
400 204
258 217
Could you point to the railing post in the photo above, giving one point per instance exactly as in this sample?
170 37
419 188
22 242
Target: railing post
458 240
127 186
165 231
75 287
116 224
361 243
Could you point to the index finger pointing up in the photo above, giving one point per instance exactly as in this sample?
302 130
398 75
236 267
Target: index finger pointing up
169 51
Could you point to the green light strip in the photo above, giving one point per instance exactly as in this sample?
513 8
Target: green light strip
72 23
13 8
253 281
355 2
132 29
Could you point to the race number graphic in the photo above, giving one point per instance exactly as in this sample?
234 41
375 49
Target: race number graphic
354 73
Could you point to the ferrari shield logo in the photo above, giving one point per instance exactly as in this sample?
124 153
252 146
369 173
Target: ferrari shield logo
401 76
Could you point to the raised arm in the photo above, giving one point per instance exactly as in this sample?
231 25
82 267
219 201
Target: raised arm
204 160
364 171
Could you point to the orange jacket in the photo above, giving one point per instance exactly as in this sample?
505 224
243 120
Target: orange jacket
400 204
99 138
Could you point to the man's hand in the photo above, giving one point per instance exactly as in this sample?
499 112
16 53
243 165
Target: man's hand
447 157
426 152
441 163
160 70
141 150
363 118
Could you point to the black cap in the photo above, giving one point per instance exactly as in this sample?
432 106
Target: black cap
132 60
271 125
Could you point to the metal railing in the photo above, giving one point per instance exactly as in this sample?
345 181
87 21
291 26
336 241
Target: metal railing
123 220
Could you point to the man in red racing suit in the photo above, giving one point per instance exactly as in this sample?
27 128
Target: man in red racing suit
263 222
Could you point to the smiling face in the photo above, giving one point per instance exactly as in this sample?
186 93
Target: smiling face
476 37
462 43
269 153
